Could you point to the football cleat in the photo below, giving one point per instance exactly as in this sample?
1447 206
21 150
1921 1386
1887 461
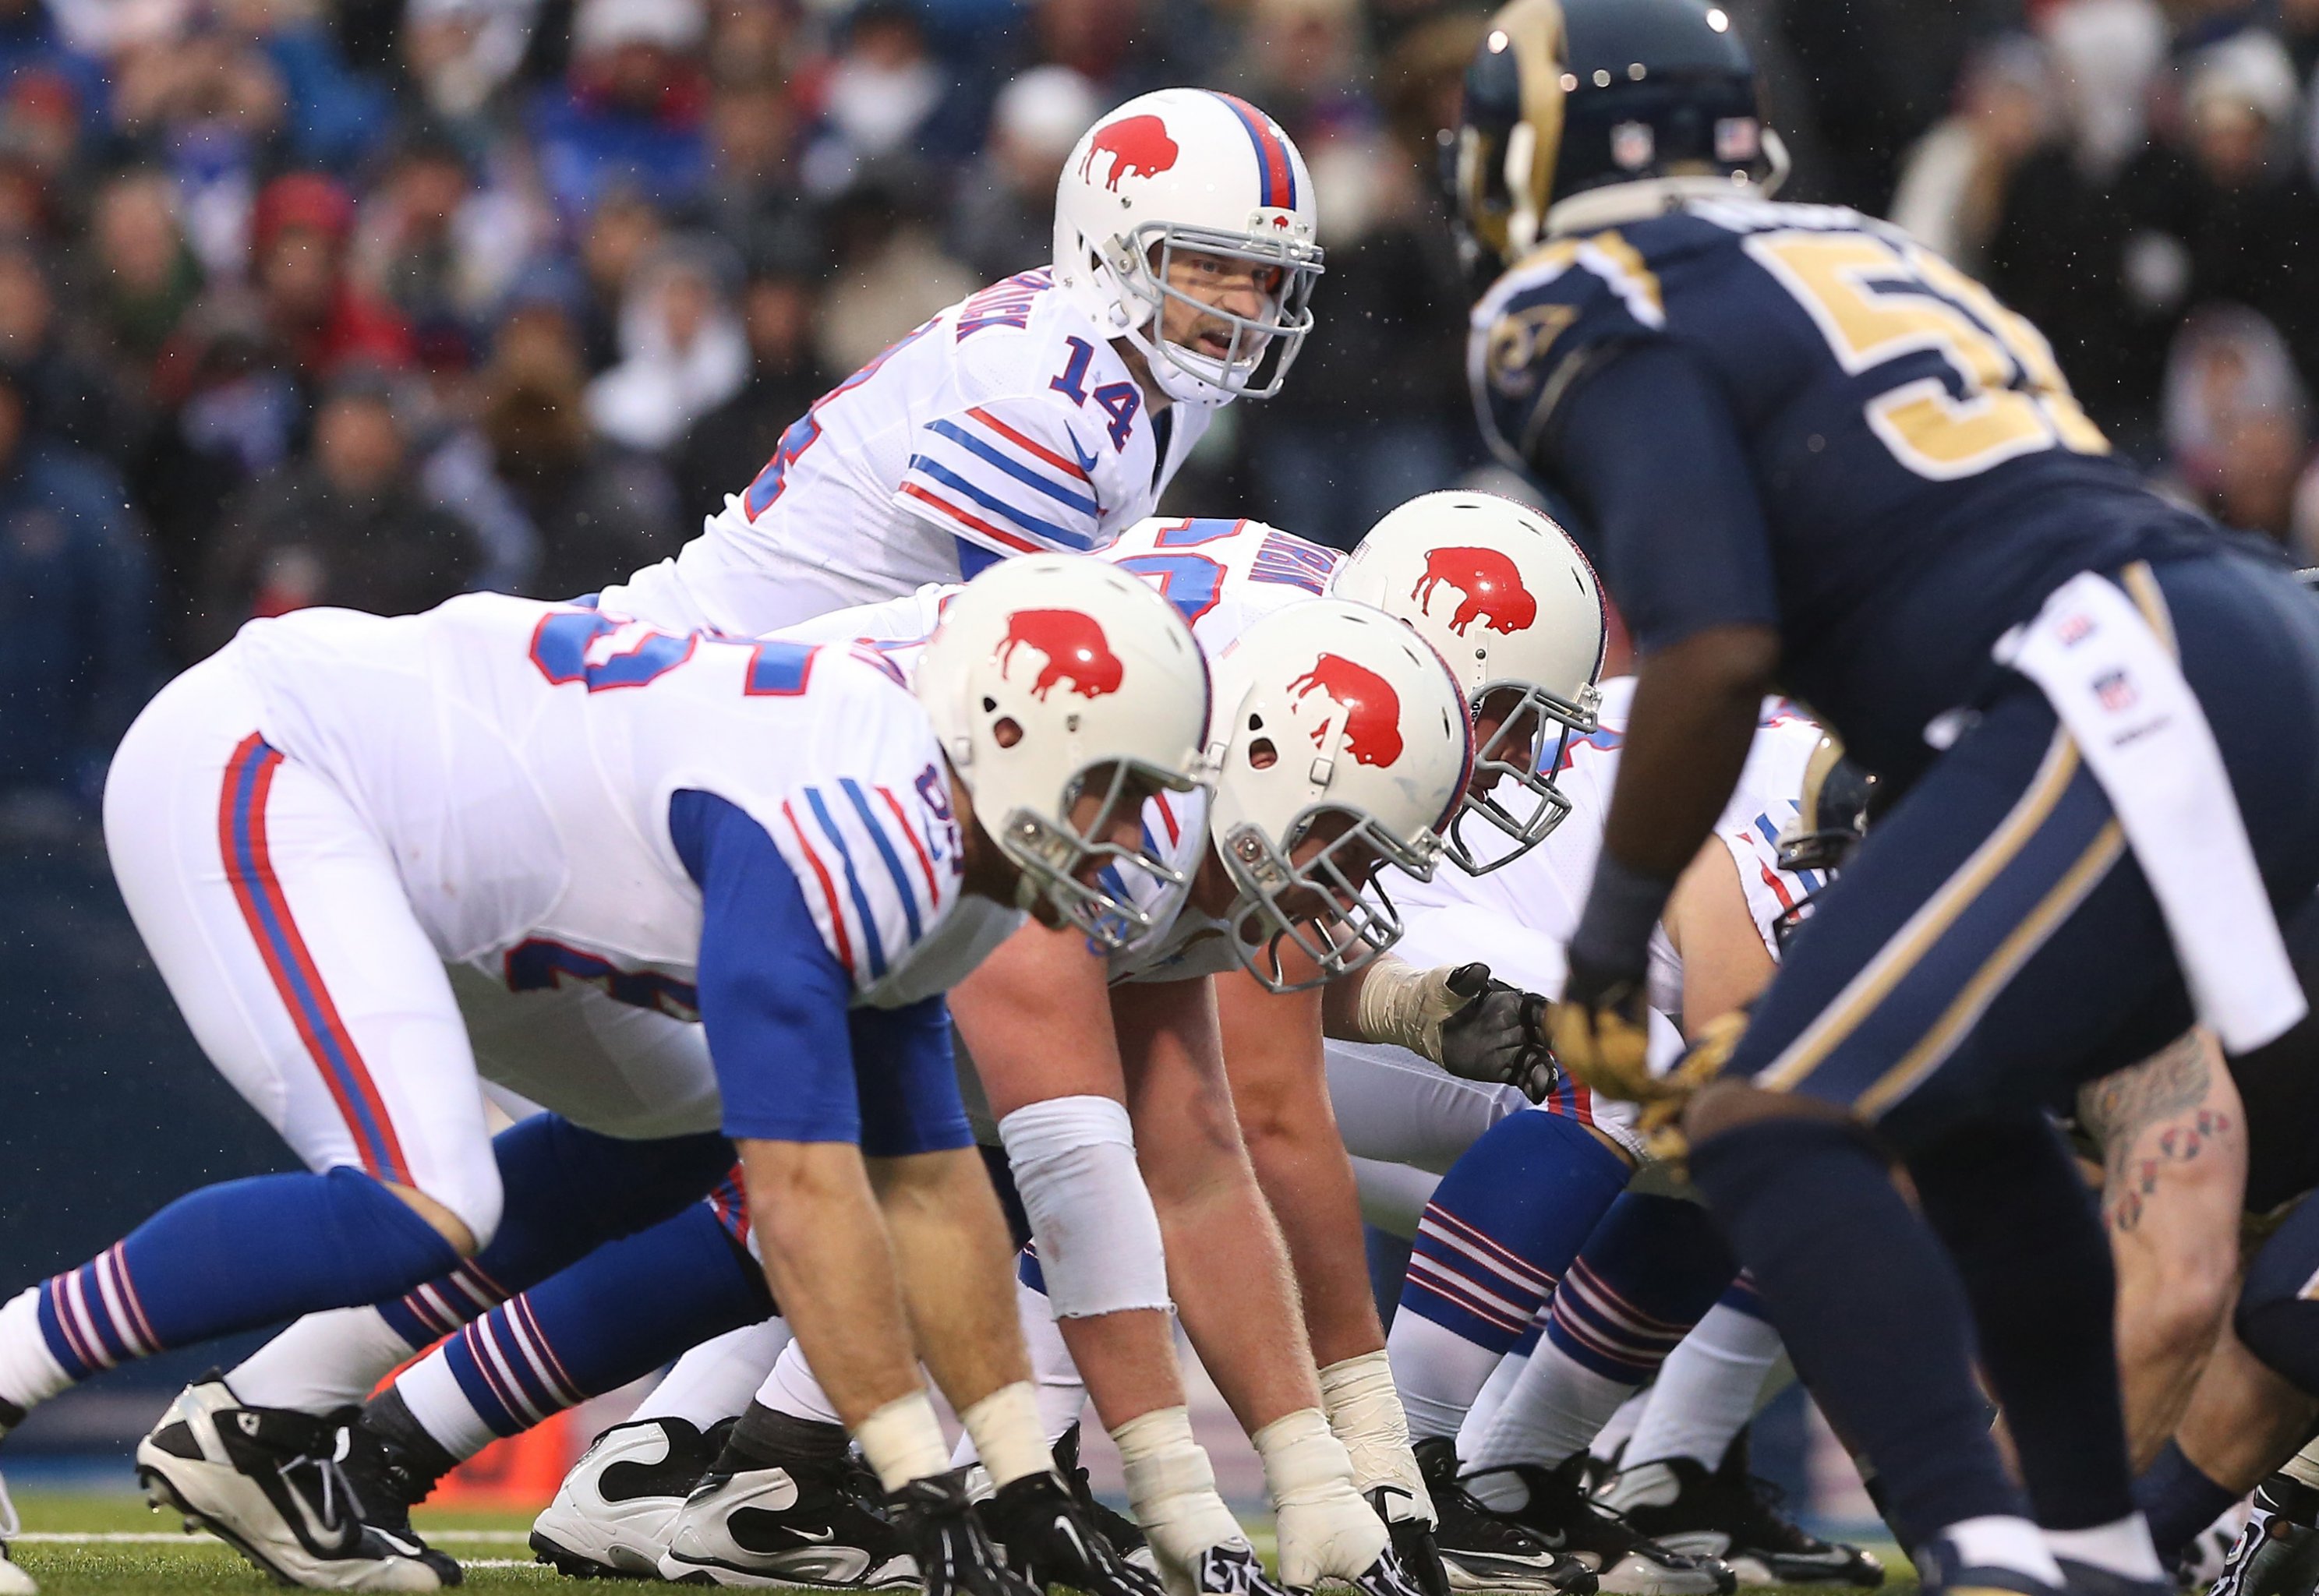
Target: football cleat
2278 1552
272 1483
2202 1562
798 1522
1558 1512
1483 1552
13 1580
1125 1536
1729 1515
1941 1570
1051 1541
948 1541
616 1509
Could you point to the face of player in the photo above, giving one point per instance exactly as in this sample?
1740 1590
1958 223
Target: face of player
1243 288
1501 716
1107 821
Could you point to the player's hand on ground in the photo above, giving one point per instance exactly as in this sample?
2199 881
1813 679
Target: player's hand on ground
1498 1032
1049 1541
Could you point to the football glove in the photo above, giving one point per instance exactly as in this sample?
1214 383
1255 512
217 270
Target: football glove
1499 1035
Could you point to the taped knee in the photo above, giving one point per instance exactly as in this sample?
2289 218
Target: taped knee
1091 1215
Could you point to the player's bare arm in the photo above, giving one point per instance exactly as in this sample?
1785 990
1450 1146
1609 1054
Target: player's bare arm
2173 1140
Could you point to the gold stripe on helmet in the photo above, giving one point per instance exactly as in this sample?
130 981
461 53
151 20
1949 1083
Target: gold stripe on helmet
1537 33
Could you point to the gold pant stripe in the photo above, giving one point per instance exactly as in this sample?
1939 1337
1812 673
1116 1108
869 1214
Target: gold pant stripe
2143 588
1877 978
1934 1048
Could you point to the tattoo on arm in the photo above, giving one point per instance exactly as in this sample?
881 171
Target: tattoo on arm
2165 1092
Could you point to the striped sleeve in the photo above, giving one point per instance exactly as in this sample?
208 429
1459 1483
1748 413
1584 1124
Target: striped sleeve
871 863
1007 475
1771 891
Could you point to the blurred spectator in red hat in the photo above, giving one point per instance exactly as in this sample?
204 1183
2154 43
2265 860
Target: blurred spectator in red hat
299 233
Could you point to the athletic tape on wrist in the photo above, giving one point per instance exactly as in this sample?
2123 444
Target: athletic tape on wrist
1404 1005
1091 1215
1006 1433
903 1442
1172 1488
1365 1411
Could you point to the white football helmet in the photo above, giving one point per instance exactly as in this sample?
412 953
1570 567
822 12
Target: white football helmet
1053 676
1509 601
1201 172
1329 711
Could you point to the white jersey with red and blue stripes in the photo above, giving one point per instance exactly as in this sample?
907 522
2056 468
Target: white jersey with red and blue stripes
1008 424
1221 575
519 760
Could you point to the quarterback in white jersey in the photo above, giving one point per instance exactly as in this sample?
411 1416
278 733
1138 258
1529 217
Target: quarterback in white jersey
313 826
1048 411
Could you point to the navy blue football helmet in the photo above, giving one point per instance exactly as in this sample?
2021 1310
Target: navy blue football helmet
1568 95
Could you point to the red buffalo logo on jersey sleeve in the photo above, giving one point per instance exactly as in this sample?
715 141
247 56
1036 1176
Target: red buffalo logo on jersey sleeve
1491 588
1139 147
1073 649
1370 707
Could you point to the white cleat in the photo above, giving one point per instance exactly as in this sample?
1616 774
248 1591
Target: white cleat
13 1580
802 1524
615 1511
269 1482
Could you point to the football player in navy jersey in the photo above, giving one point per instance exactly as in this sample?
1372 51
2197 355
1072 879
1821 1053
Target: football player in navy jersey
1808 453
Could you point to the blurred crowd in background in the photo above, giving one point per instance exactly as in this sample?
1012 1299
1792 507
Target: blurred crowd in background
373 302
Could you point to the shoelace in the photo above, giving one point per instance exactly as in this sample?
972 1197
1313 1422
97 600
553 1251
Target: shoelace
334 1481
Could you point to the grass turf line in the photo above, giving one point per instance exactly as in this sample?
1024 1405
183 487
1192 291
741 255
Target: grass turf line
195 1566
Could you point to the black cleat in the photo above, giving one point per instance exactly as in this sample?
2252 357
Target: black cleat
1049 1541
1483 1552
954 1553
1729 1515
800 1521
1557 1510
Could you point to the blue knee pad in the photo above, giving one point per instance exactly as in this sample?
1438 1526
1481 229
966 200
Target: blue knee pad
1504 1225
569 1190
1650 1271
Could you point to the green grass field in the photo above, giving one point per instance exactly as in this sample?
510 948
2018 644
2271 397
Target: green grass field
113 1546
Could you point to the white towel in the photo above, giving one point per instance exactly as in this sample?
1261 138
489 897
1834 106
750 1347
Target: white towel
2114 684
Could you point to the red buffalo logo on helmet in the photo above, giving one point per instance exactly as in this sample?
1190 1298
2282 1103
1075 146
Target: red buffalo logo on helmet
1493 589
1372 710
1077 652
1139 147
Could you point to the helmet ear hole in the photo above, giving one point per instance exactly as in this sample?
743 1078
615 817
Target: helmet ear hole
1262 755
1007 732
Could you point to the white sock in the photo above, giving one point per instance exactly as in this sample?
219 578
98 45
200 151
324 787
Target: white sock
791 1389
431 1391
1706 1389
1493 1393
2002 1541
1439 1373
715 1381
1556 1408
1620 1430
29 1372
323 1361
2121 1546
1063 1394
